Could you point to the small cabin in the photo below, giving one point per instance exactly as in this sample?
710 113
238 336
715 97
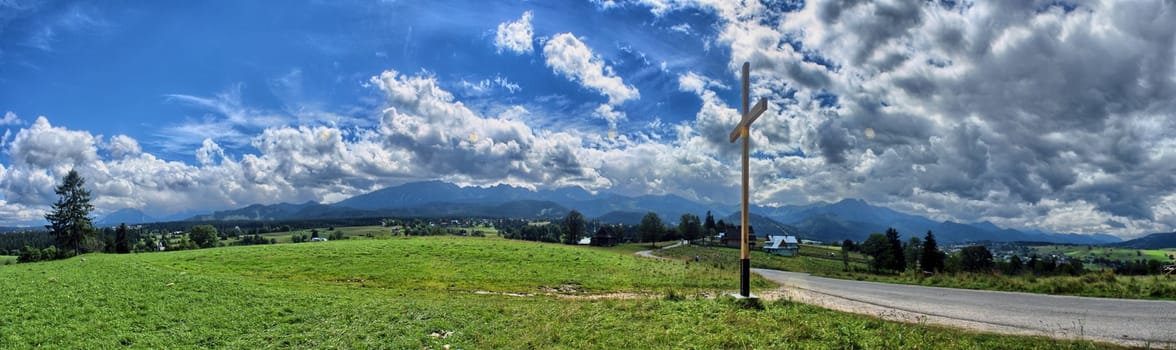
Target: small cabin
605 237
782 245
730 237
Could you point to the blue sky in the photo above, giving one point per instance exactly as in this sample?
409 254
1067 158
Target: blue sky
130 70
1039 114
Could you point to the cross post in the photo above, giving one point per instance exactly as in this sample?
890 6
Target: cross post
744 130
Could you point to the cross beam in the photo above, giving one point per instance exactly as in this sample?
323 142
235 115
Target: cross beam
743 130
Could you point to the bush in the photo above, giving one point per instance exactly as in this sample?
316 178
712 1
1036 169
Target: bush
29 254
204 236
50 253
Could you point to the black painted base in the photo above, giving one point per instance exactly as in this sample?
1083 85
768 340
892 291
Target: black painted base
745 277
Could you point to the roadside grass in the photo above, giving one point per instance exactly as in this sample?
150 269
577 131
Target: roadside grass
1094 284
725 257
289 296
1103 284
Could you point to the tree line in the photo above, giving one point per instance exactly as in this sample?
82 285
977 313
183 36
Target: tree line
887 253
573 227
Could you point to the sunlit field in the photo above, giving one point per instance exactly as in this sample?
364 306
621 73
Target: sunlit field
816 260
424 292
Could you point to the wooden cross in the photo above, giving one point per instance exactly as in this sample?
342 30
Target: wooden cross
744 130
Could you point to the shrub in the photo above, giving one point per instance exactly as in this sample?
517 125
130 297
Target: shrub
50 253
29 254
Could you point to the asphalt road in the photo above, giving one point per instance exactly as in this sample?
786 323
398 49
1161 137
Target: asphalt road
1124 321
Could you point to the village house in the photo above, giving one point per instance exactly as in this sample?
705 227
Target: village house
605 237
782 245
730 237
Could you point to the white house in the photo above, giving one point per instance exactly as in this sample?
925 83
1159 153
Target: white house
782 245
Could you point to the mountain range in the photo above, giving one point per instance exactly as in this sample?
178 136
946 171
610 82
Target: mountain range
848 219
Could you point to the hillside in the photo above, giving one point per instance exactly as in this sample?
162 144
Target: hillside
1152 241
764 226
422 292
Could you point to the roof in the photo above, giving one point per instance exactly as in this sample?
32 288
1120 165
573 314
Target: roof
775 242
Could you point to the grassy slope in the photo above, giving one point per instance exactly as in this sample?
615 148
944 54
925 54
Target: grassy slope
1123 254
1091 284
310 296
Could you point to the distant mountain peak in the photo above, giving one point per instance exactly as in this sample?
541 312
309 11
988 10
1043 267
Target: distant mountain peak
129 216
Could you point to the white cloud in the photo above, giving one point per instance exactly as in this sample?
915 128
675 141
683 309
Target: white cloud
209 153
568 56
122 146
447 139
515 36
606 112
10 119
487 86
683 28
45 146
1022 115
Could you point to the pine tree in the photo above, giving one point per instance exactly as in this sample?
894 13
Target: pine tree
709 225
122 243
895 256
69 221
931 259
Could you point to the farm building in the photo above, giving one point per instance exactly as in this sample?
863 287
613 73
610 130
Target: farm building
731 236
605 237
782 245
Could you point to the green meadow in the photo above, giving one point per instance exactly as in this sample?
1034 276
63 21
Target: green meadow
818 261
1109 253
427 293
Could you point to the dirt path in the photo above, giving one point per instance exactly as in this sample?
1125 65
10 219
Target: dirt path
649 253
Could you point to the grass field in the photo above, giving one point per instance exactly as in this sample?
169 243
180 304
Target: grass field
358 232
422 292
815 260
5 259
1120 254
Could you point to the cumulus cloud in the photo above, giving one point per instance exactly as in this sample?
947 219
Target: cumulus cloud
568 56
1028 114
606 112
515 36
45 146
122 146
447 139
977 108
10 119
